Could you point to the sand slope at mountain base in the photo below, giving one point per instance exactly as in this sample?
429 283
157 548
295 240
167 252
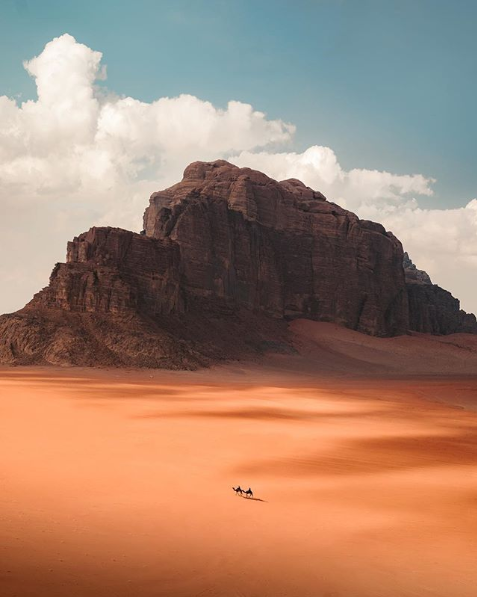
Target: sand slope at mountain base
119 483
328 348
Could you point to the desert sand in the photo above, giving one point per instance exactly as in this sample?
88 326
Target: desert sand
120 482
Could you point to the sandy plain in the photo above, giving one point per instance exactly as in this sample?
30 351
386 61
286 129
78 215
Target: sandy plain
119 483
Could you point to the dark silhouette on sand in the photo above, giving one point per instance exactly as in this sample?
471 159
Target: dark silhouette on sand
246 494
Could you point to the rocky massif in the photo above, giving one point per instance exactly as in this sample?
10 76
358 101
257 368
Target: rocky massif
432 309
227 257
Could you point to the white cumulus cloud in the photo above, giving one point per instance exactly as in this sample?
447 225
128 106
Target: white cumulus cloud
78 156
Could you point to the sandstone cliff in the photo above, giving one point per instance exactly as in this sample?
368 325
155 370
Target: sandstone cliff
247 240
227 256
432 309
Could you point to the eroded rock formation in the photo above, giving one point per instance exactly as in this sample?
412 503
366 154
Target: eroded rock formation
282 248
432 309
227 257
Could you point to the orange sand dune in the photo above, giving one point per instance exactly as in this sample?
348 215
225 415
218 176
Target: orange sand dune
119 483
329 348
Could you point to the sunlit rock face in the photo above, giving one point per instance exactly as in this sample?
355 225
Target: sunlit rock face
227 256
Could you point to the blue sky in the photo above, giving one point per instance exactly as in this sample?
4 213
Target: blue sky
387 84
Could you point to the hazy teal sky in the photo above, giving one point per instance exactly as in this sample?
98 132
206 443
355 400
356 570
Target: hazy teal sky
387 84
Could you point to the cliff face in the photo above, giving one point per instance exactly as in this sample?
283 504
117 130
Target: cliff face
109 270
247 240
228 255
432 309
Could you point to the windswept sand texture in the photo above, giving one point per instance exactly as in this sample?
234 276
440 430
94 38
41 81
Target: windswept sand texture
119 483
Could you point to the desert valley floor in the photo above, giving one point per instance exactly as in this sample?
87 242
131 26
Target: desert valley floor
120 482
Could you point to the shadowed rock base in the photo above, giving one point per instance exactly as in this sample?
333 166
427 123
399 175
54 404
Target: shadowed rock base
227 257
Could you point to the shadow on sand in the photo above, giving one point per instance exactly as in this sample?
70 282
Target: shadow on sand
252 499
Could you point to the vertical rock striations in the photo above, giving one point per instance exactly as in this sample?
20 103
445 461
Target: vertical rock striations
432 309
226 257
246 240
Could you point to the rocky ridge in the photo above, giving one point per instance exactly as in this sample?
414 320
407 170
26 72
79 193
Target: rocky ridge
226 258
432 309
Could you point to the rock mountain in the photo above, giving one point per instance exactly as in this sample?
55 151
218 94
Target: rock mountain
227 256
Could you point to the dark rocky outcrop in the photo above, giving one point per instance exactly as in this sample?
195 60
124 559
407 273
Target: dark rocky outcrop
247 240
412 273
432 309
227 256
